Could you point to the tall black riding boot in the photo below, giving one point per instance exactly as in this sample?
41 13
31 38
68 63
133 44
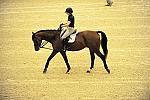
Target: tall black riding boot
65 42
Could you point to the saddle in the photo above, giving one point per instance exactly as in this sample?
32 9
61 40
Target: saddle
71 38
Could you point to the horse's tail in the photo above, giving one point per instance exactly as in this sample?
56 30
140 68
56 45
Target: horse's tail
104 43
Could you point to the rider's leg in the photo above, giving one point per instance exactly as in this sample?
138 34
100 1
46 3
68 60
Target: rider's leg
64 29
69 31
65 35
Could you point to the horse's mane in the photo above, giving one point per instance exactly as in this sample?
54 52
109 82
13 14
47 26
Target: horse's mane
49 30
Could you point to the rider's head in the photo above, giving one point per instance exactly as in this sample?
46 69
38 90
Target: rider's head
69 11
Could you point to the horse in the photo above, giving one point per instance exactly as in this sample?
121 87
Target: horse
84 39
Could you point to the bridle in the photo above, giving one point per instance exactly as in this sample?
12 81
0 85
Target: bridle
45 42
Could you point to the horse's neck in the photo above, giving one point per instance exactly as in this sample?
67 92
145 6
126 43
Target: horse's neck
49 36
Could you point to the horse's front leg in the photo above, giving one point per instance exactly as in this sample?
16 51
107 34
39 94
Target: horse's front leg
63 53
48 60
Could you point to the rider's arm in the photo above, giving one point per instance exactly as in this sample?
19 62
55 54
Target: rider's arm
66 24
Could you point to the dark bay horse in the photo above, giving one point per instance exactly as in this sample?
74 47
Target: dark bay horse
89 39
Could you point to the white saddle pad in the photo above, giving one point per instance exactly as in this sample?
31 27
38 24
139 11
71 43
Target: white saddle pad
72 37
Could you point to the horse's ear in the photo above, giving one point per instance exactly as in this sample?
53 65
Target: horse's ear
33 33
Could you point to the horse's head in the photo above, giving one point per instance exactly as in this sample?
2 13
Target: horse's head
37 41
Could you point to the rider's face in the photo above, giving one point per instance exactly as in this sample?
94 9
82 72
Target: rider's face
67 13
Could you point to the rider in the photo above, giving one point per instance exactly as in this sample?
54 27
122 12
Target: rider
68 28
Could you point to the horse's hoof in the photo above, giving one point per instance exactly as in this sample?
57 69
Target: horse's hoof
87 71
67 72
108 71
44 72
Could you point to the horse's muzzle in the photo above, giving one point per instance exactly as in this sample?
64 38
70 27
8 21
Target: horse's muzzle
37 49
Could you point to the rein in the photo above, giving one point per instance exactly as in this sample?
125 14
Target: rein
43 44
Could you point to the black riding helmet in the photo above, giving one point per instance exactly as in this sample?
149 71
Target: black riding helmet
69 10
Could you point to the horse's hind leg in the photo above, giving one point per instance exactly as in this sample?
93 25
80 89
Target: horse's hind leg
92 61
103 59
